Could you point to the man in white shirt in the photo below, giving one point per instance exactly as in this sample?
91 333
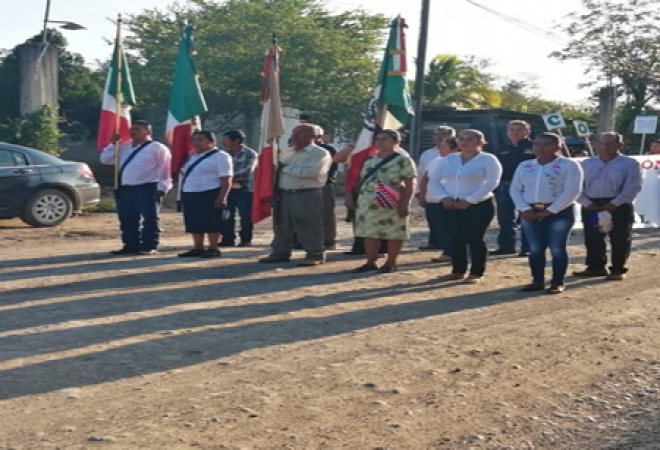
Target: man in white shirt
544 191
441 133
144 178
303 173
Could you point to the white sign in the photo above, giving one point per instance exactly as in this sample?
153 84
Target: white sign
647 206
582 128
554 121
646 124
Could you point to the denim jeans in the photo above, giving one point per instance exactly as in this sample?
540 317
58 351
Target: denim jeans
467 229
238 200
135 204
438 232
507 221
550 233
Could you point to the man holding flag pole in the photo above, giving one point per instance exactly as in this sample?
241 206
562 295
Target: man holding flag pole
142 166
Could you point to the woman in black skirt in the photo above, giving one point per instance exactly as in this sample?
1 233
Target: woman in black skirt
205 183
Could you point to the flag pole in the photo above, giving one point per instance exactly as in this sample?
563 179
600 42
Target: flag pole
118 96
275 144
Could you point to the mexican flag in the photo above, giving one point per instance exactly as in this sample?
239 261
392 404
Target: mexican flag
390 107
117 101
186 103
272 128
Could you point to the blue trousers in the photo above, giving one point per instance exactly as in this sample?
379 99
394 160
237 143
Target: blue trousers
438 231
239 200
137 204
507 221
550 233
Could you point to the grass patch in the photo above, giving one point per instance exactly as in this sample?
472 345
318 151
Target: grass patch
106 205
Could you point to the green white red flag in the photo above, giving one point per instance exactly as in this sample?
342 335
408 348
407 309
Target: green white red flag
390 107
186 103
116 99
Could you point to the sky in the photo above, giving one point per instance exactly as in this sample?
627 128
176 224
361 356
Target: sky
456 27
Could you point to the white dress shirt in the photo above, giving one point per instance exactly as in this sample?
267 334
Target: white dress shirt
557 183
424 160
473 181
206 175
150 165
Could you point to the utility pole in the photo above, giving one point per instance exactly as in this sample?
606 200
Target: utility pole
418 95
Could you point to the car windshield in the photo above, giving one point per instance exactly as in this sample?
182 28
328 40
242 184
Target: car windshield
39 157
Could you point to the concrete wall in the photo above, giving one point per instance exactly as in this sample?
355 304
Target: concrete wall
39 78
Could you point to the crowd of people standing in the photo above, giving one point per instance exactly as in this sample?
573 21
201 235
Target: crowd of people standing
527 185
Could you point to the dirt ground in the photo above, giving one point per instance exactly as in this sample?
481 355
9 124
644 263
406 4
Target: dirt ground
163 353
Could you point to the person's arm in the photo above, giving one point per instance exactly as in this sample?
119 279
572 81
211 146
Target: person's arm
632 185
493 170
435 190
163 165
572 188
582 198
108 155
225 186
342 155
315 169
421 189
406 196
517 191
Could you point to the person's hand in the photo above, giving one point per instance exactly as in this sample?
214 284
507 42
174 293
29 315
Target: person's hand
543 214
448 203
609 207
462 204
116 138
528 215
592 207
159 194
349 203
403 210
220 203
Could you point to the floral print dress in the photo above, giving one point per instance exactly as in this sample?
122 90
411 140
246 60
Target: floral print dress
372 220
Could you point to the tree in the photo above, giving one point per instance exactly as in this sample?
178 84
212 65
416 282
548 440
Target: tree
37 130
619 41
455 82
327 63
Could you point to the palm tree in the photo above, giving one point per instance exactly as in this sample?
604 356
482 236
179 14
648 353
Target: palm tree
452 81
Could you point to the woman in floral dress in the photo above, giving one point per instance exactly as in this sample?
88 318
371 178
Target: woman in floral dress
383 202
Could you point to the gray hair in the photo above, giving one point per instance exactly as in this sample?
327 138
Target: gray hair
444 129
618 137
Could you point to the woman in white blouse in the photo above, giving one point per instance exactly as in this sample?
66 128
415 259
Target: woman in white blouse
463 184
205 182
544 191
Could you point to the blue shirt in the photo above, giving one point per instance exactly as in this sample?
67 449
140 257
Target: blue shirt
619 179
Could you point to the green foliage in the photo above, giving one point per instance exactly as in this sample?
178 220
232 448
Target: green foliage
80 88
452 81
620 41
37 130
328 61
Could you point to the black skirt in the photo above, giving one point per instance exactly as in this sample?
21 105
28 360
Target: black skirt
199 212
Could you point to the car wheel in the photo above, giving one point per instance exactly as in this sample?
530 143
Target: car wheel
47 208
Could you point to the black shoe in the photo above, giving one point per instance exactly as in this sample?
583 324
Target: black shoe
387 269
125 251
151 252
245 244
226 244
365 268
533 287
210 253
591 273
330 246
192 253
354 253
297 246
500 251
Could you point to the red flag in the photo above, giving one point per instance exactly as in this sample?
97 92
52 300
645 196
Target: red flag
272 128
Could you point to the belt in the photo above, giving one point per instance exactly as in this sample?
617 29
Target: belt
293 191
601 201
540 206
138 185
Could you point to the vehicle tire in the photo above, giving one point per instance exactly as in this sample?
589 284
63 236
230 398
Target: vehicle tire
47 208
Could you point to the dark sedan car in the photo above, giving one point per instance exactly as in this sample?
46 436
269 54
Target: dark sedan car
41 189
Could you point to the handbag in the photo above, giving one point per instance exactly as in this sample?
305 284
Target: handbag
387 196
367 176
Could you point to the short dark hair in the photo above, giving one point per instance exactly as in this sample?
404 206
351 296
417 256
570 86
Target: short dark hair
141 123
235 135
552 136
208 135
394 135
451 142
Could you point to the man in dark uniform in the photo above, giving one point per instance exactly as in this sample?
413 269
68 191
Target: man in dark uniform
510 155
